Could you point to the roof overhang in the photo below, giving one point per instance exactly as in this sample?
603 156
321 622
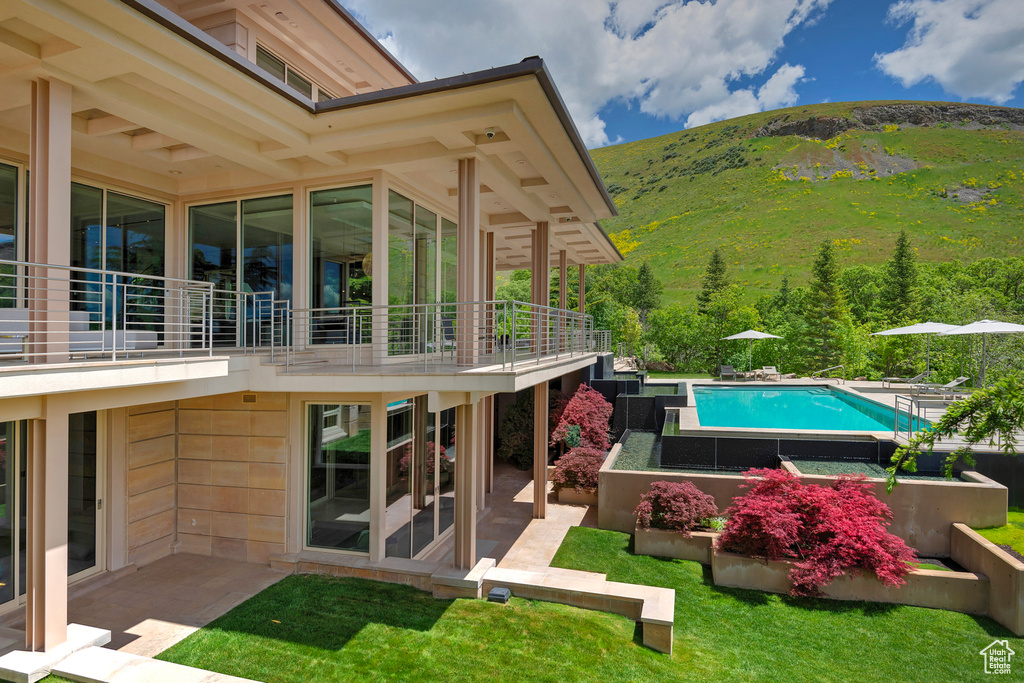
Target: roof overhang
162 105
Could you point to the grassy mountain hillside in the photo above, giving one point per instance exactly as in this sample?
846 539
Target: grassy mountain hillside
768 188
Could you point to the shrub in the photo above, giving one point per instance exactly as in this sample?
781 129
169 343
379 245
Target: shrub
676 506
827 530
578 469
447 465
515 434
588 410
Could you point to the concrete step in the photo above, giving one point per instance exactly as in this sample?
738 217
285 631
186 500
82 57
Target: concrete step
100 665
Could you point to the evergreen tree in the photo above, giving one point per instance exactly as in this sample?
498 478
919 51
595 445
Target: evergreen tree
780 302
825 311
714 280
646 292
899 281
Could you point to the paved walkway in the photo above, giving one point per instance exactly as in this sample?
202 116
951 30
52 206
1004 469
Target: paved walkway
153 608
509 533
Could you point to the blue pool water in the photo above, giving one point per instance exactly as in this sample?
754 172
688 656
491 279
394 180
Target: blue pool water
819 408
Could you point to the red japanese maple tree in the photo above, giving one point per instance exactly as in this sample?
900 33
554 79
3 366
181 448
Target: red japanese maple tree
588 410
826 530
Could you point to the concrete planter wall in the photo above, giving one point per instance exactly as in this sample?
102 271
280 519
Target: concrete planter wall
1005 574
574 497
958 591
664 543
924 511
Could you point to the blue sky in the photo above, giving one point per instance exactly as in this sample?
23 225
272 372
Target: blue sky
633 69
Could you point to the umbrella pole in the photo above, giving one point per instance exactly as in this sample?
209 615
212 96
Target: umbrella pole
983 335
928 355
750 358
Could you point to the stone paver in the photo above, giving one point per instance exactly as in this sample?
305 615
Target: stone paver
100 665
153 608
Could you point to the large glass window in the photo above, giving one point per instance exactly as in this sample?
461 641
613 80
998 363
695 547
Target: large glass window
213 236
267 246
83 494
115 232
261 231
8 233
82 510
338 492
449 262
421 477
341 260
8 509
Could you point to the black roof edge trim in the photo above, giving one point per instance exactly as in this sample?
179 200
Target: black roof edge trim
358 26
532 66
199 38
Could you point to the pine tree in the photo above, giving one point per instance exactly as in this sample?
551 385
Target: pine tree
899 280
825 308
714 281
647 292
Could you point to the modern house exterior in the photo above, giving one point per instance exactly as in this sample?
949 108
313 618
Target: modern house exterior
247 268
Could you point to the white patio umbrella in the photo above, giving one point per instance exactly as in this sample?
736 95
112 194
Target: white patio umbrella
985 328
920 328
750 336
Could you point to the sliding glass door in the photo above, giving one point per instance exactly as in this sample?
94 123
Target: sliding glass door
245 248
421 480
84 502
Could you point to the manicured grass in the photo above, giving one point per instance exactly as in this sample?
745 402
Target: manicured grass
868 469
1011 534
318 628
726 634
651 374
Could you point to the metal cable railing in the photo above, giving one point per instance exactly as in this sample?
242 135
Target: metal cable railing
58 313
502 334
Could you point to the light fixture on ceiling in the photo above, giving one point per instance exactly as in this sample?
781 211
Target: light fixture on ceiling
175 172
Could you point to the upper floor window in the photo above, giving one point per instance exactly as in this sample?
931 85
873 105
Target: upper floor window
284 72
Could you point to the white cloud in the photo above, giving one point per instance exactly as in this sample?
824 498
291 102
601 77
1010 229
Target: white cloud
972 48
778 91
670 58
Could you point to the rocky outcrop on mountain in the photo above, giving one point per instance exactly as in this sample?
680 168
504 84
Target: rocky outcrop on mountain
820 128
930 114
901 113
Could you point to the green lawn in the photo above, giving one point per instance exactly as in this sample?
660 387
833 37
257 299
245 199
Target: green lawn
725 634
318 628
1011 534
326 629
651 374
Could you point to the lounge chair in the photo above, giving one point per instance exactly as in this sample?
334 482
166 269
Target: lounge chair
947 389
919 379
769 370
726 370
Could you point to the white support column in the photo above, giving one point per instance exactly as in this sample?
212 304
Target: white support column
540 450
46 609
50 218
466 335
465 486
378 477
379 279
487 406
540 293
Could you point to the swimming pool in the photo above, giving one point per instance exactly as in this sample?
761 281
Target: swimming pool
807 407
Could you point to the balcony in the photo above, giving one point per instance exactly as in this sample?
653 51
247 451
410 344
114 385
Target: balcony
58 318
